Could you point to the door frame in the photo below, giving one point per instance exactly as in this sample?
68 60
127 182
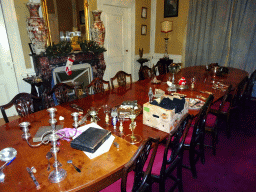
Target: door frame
130 5
16 48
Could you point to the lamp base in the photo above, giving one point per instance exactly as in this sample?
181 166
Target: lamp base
166 56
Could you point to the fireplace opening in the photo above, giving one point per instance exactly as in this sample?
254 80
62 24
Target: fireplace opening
80 73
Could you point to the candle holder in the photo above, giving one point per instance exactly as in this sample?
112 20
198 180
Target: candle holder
173 68
58 174
121 127
93 113
133 138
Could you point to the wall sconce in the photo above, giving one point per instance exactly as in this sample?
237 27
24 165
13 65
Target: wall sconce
166 28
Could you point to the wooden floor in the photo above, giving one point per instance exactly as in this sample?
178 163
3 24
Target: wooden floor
10 119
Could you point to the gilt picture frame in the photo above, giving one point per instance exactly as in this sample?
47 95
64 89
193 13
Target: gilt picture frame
143 29
171 8
144 12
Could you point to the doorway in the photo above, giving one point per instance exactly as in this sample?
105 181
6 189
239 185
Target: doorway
8 80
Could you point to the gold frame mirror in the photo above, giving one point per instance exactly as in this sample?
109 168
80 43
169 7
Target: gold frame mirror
80 18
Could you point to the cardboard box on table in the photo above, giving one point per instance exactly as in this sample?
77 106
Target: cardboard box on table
160 118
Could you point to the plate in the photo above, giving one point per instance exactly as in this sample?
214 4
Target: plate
7 154
192 103
156 82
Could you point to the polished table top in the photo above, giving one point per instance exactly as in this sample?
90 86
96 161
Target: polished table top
103 170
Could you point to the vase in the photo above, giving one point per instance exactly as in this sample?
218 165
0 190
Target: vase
37 30
98 29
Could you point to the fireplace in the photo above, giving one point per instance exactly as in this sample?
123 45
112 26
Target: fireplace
80 73
86 66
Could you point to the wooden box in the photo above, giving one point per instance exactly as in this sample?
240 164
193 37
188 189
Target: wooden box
160 118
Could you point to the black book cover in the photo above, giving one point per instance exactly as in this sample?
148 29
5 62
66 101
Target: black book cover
91 139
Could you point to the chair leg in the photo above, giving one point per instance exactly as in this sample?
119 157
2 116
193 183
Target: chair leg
201 152
162 185
228 132
192 163
214 141
179 176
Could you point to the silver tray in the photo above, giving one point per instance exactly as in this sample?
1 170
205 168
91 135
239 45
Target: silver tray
7 154
181 87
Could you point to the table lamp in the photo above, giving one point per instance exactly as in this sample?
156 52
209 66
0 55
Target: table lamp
166 28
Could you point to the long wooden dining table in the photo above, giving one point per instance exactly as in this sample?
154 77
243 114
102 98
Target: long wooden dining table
101 171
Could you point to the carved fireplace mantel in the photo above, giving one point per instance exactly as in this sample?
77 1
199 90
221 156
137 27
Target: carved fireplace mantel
44 65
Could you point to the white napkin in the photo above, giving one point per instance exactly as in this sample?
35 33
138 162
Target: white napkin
103 148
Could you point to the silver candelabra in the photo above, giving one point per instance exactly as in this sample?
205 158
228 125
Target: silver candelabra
58 174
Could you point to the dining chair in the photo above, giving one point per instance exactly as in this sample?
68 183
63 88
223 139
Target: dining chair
215 113
96 86
59 94
250 85
194 142
121 79
133 177
233 101
169 157
159 69
239 92
23 103
146 72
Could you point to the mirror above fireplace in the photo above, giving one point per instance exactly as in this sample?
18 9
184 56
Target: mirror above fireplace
65 18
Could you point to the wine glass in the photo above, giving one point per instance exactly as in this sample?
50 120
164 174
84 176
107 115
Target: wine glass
93 114
193 81
106 110
114 115
132 138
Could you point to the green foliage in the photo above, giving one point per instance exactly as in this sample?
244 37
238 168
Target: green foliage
60 49
92 47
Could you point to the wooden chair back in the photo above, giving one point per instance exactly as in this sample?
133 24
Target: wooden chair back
239 92
121 79
146 72
199 126
173 160
141 180
23 103
250 85
196 144
97 86
60 91
159 68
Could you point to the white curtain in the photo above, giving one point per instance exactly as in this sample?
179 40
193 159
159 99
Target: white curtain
221 31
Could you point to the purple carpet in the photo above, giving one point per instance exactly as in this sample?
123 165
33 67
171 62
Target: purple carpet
234 166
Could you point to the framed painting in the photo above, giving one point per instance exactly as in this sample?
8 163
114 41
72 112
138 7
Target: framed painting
171 8
143 29
144 12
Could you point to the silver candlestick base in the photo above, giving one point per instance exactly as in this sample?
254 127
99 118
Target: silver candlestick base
57 175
